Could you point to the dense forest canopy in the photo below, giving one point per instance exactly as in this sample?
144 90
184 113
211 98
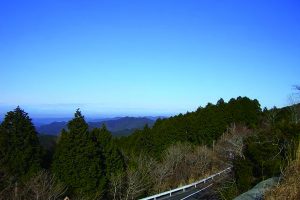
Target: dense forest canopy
200 127
93 164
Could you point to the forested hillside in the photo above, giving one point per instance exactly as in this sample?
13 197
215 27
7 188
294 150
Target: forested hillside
203 126
92 164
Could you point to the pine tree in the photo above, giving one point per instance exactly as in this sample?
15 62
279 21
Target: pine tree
20 151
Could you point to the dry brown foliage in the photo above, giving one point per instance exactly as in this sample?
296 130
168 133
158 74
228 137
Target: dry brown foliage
138 179
231 143
43 186
183 164
289 188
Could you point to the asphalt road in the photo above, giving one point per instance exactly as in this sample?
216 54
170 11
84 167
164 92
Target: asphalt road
202 191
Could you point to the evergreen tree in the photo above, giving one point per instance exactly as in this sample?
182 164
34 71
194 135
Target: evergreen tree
79 160
113 159
243 110
20 151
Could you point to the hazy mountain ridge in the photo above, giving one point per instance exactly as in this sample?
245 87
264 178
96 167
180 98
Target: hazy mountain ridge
119 126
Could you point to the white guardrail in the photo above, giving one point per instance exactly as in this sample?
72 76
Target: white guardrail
183 188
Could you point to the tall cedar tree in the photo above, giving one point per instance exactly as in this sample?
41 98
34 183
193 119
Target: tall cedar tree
114 161
79 160
20 151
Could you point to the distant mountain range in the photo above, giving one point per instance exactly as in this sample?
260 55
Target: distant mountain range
118 126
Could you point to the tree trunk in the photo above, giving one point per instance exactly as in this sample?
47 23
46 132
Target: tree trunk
16 190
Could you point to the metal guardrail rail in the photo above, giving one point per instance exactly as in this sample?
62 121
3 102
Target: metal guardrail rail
183 188
197 192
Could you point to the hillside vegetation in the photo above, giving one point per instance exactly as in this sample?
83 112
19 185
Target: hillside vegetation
88 163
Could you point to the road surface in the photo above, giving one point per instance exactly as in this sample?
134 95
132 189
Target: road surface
202 191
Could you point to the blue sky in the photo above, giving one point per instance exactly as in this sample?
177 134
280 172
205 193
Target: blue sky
145 57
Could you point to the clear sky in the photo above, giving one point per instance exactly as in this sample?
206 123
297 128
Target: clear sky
145 57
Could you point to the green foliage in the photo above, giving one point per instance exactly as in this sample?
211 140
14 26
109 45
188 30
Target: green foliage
86 160
113 159
243 174
90 161
243 110
48 142
20 151
79 160
266 154
228 191
200 127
